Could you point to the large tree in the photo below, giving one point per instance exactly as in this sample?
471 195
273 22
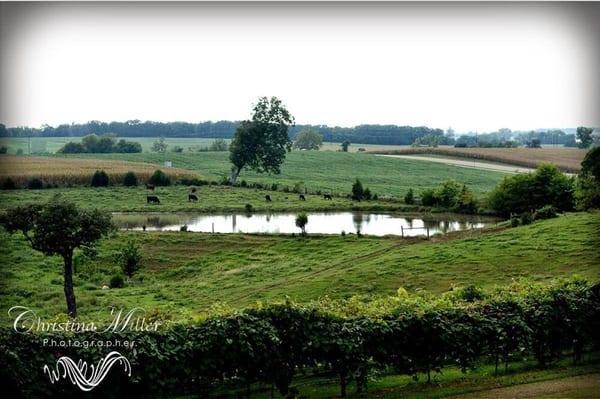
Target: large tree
261 143
58 228
584 134
308 139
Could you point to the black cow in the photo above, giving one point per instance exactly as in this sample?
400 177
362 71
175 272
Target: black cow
268 198
152 199
327 197
302 197
193 190
150 187
192 197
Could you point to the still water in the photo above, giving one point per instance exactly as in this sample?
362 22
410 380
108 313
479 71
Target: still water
377 224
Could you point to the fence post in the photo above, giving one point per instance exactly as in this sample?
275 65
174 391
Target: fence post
213 227
428 233
402 230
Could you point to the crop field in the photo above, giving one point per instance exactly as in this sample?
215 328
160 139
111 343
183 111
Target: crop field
185 274
567 159
329 171
64 171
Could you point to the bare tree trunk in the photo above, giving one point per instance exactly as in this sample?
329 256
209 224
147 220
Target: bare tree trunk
235 172
68 285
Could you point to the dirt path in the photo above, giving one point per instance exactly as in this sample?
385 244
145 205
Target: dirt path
580 387
473 164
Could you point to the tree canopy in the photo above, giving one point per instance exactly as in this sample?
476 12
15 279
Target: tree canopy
58 228
308 139
260 144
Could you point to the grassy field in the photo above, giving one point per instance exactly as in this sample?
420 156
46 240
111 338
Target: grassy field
64 171
568 159
330 171
215 199
184 274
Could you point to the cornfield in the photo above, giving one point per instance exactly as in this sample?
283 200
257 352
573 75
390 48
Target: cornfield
567 159
75 172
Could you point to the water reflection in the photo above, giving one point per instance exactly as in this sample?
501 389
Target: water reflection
377 224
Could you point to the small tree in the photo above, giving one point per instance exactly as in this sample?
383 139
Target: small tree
584 134
409 198
301 222
58 228
308 139
100 179
130 179
345 146
160 178
130 258
358 191
159 145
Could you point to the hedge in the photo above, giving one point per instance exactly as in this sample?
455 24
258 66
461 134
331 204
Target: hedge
273 344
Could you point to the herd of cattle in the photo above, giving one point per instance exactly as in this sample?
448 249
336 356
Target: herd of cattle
192 197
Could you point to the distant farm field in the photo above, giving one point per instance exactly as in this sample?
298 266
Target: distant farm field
184 274
567 159
72 171
329 171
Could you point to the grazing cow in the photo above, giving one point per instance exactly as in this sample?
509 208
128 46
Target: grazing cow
152 199
302 197
268 198
192 197
150 187
327 197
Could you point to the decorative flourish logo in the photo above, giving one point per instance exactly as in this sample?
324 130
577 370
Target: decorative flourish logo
78 373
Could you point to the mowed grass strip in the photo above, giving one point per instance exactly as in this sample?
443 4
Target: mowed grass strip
73 171
330 171
567 159
211 199
184 274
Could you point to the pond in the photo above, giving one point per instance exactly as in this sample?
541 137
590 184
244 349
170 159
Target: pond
376 224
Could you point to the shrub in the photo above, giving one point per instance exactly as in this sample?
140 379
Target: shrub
3 149
35 184
72 148
99 179
184 228
471 293
409 198
117 281
301 222
219 145
8 184
515 221
545 212
177 149
130 258
524 191
20 151
130 179
160 178
248 208
428 197
274 187
526 218
243 183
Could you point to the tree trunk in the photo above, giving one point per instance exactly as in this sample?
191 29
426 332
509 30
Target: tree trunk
68 285
343 384
235 172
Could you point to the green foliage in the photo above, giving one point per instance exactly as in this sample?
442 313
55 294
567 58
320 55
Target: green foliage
219 145
3 149
262 143
248 208
450 195
301 222
130 258
159 145
526 218
308 139
58 228
160 178
584 135
117 281
587 191
177 149
273 344
103 144
8 184
590 166
345 144
35 184
526 191
100 179
409 198
130 179
360 193
429 140
545 212
515 220
72 148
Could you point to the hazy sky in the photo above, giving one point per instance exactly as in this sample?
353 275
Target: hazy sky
468 66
